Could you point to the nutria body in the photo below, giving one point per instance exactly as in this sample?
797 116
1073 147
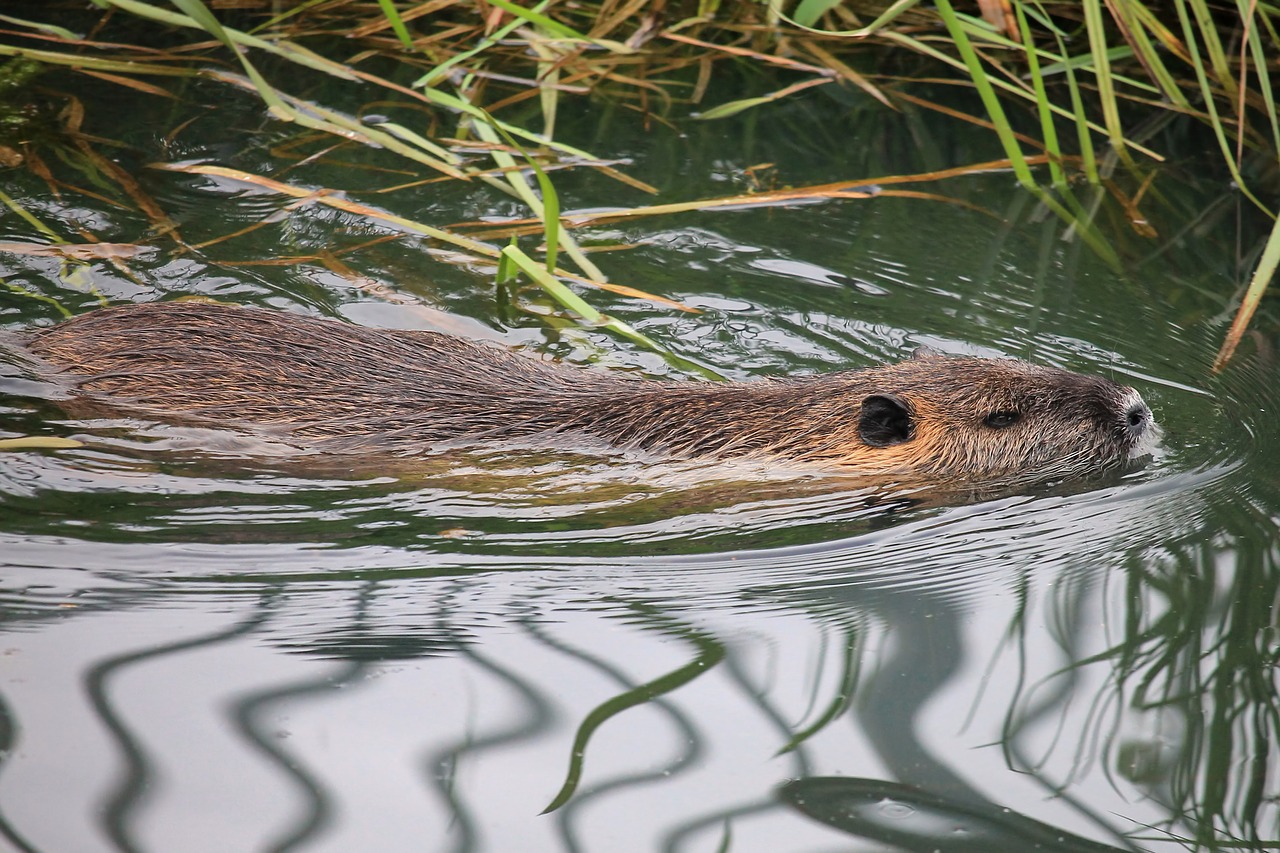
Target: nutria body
349 388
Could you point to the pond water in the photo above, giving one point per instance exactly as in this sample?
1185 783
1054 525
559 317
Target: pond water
211 645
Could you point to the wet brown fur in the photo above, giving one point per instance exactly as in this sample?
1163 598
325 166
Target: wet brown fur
349 388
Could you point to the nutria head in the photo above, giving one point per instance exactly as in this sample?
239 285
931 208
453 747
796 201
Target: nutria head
993 418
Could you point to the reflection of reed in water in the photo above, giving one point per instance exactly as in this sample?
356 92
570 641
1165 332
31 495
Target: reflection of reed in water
138 775
8 737
920 821
919 647
566 803
665 701
1186 708
442 767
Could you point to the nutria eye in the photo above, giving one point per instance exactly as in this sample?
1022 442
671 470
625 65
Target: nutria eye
1000 420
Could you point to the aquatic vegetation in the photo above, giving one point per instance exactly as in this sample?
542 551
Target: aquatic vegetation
1084 99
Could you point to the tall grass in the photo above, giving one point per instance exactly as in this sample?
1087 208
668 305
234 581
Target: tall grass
1067 89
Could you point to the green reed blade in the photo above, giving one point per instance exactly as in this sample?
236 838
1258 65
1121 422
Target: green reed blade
1135 18
1084 136
1218 60
981 82
1083 223
507 269
546 207
1210 105
1095 27
548 212
548 79
1257 50
29 217
808 12
555 28
551 230
888 16
531 16
348 127
1021 92
435 74
96 63
388 8
401 132
206 21
283 49
40 297
566 297
735 107
40 26
575 303
459 104
285 14
1048 129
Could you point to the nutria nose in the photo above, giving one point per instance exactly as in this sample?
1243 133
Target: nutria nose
1137 418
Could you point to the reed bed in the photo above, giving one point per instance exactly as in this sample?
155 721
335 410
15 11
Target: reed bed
1079 95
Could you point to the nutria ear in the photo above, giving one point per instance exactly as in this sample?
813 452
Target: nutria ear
884 421
923 352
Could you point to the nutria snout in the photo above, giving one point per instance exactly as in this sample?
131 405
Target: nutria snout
348 388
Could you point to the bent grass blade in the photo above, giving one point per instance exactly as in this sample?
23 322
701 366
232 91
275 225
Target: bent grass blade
886 17
576 303
388 8
734 107
987 93
282 48
207 22
566 297
332 198
867 188
329 121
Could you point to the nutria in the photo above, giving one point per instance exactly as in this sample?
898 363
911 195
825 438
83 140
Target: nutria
348 388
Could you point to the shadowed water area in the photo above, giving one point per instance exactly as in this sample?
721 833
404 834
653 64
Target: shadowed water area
211 642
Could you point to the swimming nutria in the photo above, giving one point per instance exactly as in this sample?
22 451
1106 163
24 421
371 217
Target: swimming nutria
347 388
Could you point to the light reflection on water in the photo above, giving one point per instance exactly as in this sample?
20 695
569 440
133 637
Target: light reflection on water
357 700
345 696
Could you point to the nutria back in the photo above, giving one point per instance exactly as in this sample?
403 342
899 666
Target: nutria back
348 388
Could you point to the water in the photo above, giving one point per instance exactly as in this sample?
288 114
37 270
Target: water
210 644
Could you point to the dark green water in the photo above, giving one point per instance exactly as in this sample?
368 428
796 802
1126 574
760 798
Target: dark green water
208 648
